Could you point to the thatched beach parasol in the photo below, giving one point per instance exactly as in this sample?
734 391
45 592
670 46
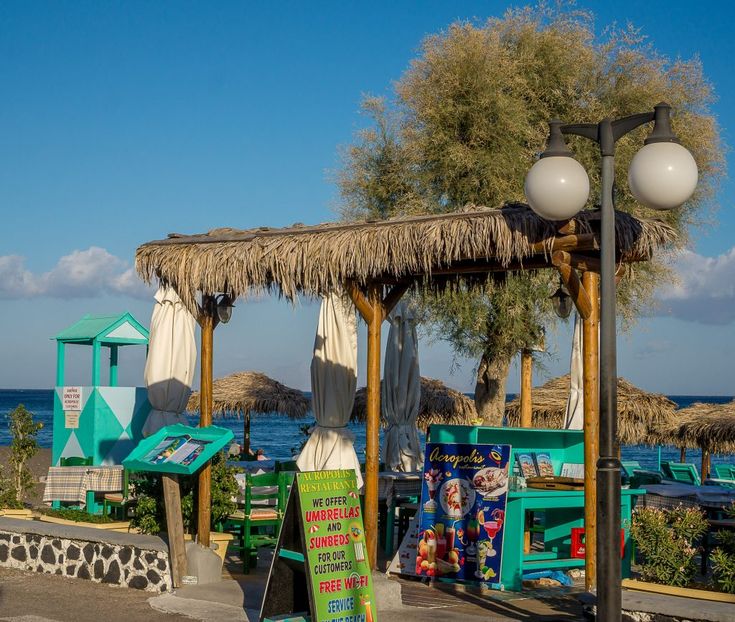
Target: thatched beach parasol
641 415
711 427
438 404
246 392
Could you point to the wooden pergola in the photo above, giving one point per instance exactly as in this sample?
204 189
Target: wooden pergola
376 262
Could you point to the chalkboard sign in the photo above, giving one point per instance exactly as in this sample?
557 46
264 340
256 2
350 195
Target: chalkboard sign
320 567
179 449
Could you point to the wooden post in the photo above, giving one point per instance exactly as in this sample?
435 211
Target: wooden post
591 380
175 523
373 424
526 381
705 464
246 435
526 419
206 321
683 455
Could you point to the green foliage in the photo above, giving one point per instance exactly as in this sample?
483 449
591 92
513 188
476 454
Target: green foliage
150 512
80 516
23 447
304 431
468 119
723 558
666 542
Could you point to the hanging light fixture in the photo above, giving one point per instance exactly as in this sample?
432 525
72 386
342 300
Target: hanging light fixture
562 301
224 307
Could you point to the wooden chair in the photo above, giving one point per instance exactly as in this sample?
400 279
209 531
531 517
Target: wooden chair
262 514
118 501
76 461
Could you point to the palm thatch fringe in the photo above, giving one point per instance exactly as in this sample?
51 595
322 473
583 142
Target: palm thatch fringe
318 259
707 426
248 392
641 415
438 404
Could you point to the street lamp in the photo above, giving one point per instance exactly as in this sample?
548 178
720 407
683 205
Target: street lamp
662 175
562 302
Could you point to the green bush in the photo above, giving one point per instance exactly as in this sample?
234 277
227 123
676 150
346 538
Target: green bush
79 516
667 542
150 512
723 558
23 447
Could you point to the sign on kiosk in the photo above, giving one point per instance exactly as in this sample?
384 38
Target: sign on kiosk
71 398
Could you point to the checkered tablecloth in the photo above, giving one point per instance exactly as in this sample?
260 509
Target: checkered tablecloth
71 483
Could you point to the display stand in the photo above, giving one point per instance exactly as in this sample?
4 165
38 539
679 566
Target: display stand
172 451
320 569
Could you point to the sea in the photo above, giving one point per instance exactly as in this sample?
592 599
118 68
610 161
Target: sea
281 437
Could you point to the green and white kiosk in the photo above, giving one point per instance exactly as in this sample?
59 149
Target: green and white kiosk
101 422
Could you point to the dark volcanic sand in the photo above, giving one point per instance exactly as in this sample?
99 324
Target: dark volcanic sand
38 465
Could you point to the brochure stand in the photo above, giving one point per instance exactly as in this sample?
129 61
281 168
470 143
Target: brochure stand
320 569
172 451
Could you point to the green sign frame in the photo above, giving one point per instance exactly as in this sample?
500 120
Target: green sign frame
178 449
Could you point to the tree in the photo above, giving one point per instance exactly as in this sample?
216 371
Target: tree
23 447
467 121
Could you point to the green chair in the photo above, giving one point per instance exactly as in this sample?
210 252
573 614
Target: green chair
262 514
118 501
685 473
724 471
637 476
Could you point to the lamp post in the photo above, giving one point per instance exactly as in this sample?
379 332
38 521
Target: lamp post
662 175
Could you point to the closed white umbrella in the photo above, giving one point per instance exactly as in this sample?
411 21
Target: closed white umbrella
401 393
172 355
574 414
333 382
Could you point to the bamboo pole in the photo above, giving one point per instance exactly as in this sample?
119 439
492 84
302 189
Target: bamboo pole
591 379
373 424
206 321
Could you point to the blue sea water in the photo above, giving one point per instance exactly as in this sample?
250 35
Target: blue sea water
278 435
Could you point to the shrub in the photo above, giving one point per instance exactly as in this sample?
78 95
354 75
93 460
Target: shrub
23 447
666 541
79 516
150 512
723 558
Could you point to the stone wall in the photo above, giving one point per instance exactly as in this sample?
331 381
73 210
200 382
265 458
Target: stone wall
127 560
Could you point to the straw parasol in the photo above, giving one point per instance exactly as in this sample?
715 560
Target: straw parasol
246 392
438 404
708 426
641 415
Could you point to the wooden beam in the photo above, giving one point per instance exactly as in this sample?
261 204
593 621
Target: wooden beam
175 526
359 300
526 381
206 322
578 293
582 263
393 297
590 383
573 242
372 425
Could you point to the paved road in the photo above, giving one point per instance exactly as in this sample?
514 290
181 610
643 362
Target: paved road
36 597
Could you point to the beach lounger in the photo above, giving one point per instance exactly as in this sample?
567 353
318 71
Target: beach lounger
685 473
725 471
637 476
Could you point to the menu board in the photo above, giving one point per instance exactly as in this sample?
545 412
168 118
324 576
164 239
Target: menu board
321 562
176 450
462 511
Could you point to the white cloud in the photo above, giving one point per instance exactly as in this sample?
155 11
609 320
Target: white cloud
81 274
705 291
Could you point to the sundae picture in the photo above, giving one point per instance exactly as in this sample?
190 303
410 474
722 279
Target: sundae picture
457 497
432 477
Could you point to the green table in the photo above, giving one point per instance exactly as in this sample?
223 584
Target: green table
563 510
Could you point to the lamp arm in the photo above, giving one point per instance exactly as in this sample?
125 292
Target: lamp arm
625 125
586 130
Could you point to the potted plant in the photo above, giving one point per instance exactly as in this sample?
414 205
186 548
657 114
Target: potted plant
150 513
23 446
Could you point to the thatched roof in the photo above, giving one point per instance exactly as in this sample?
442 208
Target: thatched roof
248 392
314 260
640 414
708 426
438 404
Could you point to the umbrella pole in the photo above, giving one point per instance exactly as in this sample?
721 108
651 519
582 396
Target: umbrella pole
246 435
590 383
526 382
206 321
683 455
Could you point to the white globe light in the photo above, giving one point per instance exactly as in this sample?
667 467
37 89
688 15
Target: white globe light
662 175
557 187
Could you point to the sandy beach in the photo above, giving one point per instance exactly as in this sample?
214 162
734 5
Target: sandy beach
38 465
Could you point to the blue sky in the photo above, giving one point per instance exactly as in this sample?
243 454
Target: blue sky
123 121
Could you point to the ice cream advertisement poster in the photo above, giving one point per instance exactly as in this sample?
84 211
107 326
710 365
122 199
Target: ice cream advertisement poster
462 511
334 539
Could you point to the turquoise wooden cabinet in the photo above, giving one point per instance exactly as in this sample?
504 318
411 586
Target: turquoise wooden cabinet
562 510
101 421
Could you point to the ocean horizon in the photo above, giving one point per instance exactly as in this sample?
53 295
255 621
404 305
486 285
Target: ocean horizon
280 436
